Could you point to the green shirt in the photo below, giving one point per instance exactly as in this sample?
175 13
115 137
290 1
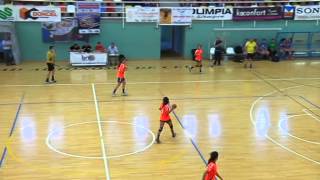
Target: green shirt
272 46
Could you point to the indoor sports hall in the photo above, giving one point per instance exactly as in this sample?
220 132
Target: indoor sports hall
82 87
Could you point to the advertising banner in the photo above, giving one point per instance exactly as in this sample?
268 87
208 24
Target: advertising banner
142 14
288 12
307 13
175 16
7 13
212 13
85 59
38 13
88 14
257 13
64 31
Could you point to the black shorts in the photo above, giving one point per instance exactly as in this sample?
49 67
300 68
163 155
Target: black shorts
168 121
121 80
50 66
250 55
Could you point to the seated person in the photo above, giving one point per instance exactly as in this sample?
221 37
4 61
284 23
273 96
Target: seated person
100 47
113 49
286 48
272 48
86 48
263 49
75 48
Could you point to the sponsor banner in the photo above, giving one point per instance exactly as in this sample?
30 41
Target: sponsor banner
64 31
142 14
175 16
84 59
257 13
38 13
307 13
212 13
88 14
7 13
288 12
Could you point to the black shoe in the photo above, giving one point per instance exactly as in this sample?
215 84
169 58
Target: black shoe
174 135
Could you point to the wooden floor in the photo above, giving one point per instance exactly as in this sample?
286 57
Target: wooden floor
264 122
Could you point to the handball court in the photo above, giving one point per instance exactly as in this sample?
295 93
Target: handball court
264 122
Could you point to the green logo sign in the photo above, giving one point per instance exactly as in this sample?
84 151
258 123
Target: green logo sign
6 14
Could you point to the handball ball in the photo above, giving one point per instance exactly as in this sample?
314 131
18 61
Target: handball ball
174 106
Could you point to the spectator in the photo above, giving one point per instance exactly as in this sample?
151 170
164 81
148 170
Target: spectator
286 49
263 49
87 48
100 47
75 48
113 53
7 50
272 47
113 49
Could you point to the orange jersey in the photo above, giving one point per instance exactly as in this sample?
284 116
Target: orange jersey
121 70
198 53
165 110
212 170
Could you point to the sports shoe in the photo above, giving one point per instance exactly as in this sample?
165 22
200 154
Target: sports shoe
174 135
53 81
114 95
125 94
158 141
189 68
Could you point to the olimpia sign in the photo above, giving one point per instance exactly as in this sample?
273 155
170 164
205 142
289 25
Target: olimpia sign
6 13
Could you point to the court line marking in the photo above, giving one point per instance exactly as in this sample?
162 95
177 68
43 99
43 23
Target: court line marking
103 148
296 137
310 102
156 82
307 112
271 139
6 149
109 157
3 156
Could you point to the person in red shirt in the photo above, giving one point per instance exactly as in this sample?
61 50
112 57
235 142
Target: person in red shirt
122 67
100 47
198 57
212 169
165 117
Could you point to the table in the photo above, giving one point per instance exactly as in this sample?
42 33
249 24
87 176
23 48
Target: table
88 59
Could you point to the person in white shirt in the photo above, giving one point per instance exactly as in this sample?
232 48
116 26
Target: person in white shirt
7 50
113 53
113 49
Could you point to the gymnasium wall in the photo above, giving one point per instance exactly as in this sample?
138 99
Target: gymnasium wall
136 41
203 32
142 41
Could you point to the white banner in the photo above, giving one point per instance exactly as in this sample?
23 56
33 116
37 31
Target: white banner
38 13
86 59
7 13
307 13
212 13
181 15
142 14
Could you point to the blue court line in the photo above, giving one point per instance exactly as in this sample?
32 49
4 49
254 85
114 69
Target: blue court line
308 101
12 128
3 156
192 141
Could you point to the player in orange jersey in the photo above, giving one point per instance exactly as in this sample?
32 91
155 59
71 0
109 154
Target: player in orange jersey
212 168
165 117
122 67
198 57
